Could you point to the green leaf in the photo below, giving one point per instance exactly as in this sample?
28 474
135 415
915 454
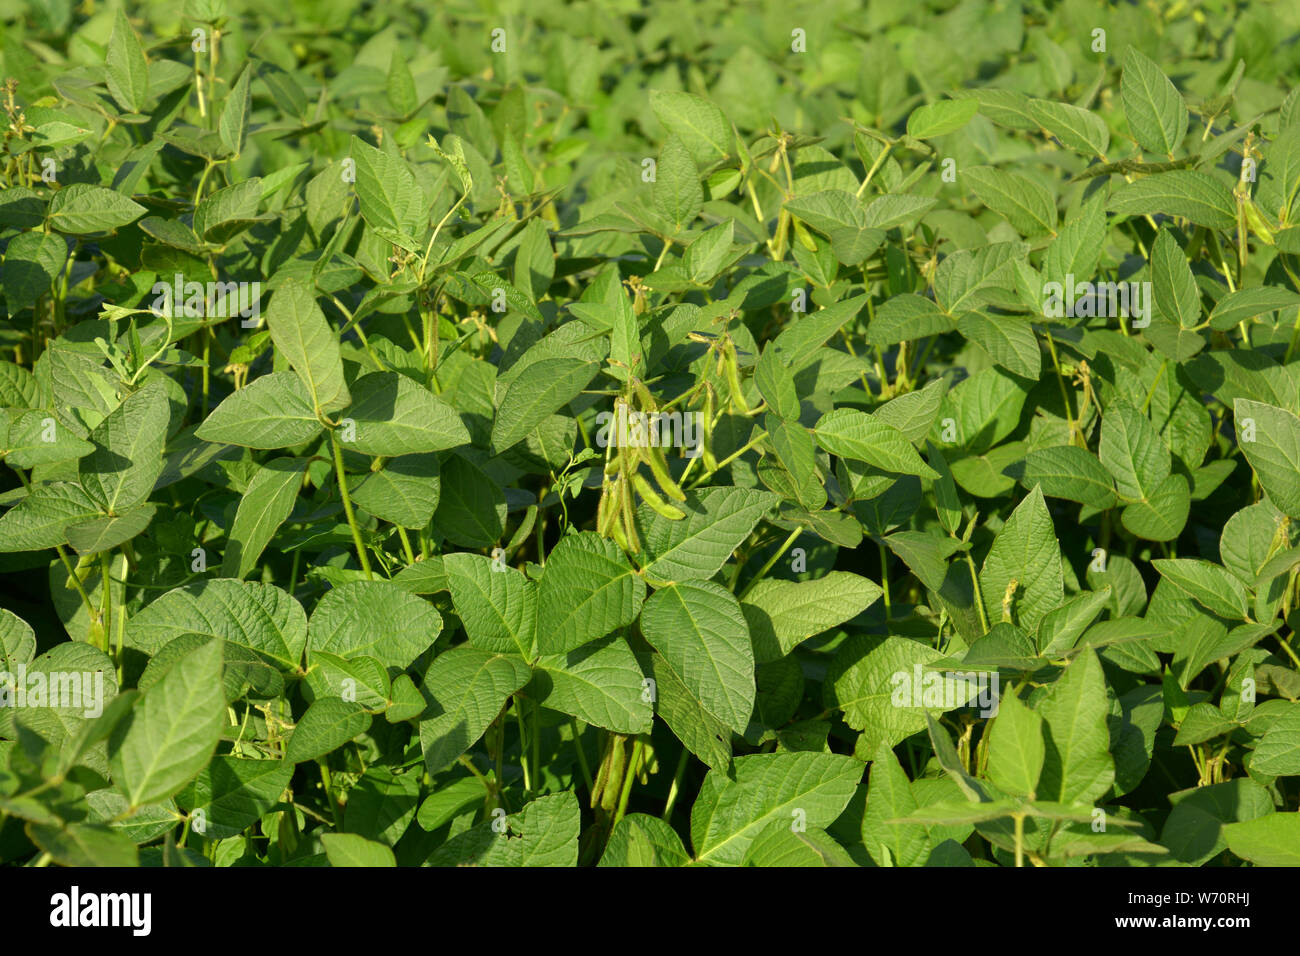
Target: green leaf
859 435
782 614
1077 765
234 113
1278 751
1208 584
84 844
173 730
1009 340
349 849
678 194
1067 471
1244 304
396 416
1157 115
1029 207
541 390
642 840
1016 749
695 547
1270 439
1272 840
33 261
698 123
1077 128
41 519
699 629
377 619
405 490
889 797
467 688
1025 552
1173 287
327 725
1133 451
259 617
104 534
390 197
1189 193
941 118
234 791
266 503
120 473
302 333
777 845
471 507
599 683
126 66
588 590
730 813
274 411
81 209
497 605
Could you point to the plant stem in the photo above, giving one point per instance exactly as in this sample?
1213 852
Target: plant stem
771 561
347 506
676 787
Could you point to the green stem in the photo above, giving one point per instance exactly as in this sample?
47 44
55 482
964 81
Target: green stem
638 748
582 756
676 787
771 561
347 506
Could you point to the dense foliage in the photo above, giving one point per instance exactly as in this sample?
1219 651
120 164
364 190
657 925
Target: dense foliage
549 434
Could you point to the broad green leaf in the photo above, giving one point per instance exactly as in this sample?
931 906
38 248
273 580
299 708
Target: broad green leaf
1189 193
266 503
1156 113
699 629
1278 751
1133 451
1016 749
540 391
395 416
941 118
1272 840
1025 204
234 113
260 617
84 845
1067 471
390 197
467 688
1077 765
587 591
1077 128
717 520
850 433
81 208
678 194
302 333
777 845
349 849
173 730
234 791
104 534
599 683
126 67
471 505
889 797
782 614
1010 341
642 840
274 411
377 619
1270 439
1210 585
41 519
1174 294
729 814
1023 567
327 725
120 473
699 124
497 605
405 490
